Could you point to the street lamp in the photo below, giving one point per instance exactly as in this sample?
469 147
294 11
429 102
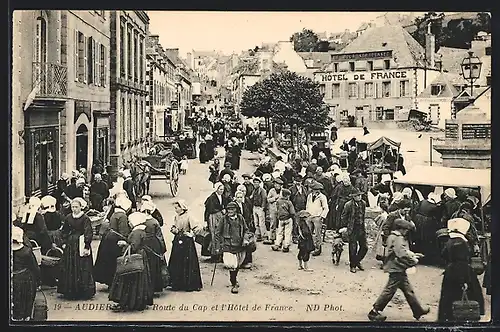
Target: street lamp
471 70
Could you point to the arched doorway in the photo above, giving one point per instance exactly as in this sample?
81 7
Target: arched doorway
82 146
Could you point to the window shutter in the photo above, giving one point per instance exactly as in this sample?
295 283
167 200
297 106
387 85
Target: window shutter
76 62
361 87
105 62
85 69
38 40
96 62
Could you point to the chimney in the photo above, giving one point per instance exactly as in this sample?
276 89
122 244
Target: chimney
189 57
430 47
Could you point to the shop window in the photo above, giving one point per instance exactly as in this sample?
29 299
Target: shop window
384 114
487 50
352 66
387 64
386 89
336 90
370 65
41 155
353 90
369 90
404 87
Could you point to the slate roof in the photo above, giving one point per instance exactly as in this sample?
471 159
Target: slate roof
249 67
406 50
320 58
447 81
451 58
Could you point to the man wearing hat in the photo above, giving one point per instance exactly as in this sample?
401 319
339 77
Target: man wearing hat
317 206
98 192
247 182
258 199
353 217
402 212
272 197
400 258
298 197
427 219
450 205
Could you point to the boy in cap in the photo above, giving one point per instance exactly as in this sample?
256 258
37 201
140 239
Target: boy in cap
399 259
226 170
247 182
286 215
306 244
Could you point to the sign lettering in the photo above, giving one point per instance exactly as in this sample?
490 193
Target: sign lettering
364 76
362 56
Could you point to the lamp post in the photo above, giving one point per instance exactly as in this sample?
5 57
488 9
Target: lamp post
471 70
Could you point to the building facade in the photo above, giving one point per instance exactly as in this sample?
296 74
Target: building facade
129 30
160 73
60 96
377 78
182 99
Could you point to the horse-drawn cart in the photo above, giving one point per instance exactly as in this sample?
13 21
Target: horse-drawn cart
162 164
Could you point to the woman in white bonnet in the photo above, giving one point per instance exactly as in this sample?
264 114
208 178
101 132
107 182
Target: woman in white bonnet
33 224
25 277
155 213
133 292
105 264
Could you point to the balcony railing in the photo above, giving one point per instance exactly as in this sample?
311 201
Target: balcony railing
53 79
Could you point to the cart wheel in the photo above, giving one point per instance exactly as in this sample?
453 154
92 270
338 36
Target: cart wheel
174 177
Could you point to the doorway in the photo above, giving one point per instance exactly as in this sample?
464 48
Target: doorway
82 143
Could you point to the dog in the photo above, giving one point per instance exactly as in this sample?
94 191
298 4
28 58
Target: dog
338 246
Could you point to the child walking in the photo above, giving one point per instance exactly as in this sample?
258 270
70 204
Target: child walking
286 215
306 244
184 165
399 259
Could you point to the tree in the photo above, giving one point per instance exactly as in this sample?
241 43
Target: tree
305 41
257 101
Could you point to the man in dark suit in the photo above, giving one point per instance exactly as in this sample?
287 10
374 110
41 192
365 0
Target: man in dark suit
353 217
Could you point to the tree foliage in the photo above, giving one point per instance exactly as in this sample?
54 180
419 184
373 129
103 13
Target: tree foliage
305 41
288 98
453 33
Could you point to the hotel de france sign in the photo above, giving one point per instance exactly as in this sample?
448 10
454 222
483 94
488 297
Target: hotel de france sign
361 76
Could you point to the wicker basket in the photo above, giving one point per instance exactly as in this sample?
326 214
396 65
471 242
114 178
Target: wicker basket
37 251
49 260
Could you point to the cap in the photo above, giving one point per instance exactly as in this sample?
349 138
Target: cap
232 205
246 176
316 186
278 181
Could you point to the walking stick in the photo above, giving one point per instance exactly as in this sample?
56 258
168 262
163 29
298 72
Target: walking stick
213 274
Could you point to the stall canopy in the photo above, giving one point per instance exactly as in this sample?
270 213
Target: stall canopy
383 141
450 177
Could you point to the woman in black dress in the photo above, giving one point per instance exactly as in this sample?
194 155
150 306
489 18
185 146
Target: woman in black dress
76 281
203 151
53 219
109 250
458 271
155 246
156 213
184 267
25 277
133 292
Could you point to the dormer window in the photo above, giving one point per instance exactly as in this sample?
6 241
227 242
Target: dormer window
487 50
351 66
387 64
436 89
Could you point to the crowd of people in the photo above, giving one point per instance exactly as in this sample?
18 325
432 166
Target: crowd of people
281 204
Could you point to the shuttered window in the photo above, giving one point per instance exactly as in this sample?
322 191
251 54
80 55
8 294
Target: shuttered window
104 65
76 63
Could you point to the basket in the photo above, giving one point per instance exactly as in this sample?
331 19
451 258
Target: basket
37 251
40 307
465 310
49 260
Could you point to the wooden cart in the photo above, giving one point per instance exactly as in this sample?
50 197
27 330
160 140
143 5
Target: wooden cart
163 165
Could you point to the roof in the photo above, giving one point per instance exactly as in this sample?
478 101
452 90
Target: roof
374 141
451 58
406 50
448 81
321 35
320 58
450 177
247 67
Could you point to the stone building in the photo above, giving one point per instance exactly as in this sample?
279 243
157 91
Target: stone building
376 79
181 102
129 30
160 71
60 96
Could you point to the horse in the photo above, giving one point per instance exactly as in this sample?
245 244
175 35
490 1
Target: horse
142 176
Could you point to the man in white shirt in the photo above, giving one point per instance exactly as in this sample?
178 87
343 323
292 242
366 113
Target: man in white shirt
317 206
279 165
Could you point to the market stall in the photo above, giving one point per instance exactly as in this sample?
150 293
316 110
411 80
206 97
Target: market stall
382 154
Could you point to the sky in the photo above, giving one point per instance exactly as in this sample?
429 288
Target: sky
237 31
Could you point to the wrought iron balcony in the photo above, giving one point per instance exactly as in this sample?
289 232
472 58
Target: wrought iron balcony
53 79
